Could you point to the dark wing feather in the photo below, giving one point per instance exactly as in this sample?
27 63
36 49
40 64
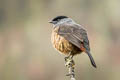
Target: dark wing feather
77 36
74 34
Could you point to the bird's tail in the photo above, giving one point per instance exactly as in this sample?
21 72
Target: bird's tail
91 59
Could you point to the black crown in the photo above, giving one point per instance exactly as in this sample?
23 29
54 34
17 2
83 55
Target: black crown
59 17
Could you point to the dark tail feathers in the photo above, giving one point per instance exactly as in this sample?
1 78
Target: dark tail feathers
91 59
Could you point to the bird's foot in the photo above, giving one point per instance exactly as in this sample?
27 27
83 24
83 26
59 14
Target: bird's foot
69 61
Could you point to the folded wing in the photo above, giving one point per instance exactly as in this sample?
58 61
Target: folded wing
74 34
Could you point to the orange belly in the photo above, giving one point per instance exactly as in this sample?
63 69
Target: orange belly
62 45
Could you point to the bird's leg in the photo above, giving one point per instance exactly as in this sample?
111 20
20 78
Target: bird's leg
69 63
67 57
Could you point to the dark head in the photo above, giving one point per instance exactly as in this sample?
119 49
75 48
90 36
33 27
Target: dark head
57 19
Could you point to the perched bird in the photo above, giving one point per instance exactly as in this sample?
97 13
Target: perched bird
70 38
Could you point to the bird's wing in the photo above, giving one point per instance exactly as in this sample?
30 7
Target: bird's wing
77 35
74 34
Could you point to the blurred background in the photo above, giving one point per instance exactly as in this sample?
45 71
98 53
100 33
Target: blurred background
26 52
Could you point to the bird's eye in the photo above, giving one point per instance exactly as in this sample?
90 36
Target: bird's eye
58 19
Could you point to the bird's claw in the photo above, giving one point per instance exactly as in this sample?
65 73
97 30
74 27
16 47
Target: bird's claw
69 61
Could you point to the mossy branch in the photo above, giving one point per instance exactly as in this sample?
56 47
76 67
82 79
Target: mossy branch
69 63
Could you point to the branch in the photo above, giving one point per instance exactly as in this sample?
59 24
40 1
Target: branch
69 63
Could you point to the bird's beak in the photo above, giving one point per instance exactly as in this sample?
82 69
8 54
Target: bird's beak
53 22
50 21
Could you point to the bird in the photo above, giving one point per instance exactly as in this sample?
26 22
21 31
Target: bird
70 38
